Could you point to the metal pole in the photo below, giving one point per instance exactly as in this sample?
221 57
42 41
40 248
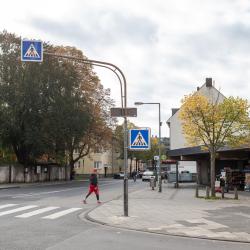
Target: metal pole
159 142
177 175
159 176
125 199
112 157
110 66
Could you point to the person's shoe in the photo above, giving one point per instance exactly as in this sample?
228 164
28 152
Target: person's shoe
84 201
98 202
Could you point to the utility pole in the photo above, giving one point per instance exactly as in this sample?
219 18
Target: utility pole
32 51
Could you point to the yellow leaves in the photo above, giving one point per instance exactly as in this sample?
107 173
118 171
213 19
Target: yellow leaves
207 123
154 140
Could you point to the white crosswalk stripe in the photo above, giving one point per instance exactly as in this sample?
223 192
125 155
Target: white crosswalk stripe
32 213
36 212
12 211
62 213
7 205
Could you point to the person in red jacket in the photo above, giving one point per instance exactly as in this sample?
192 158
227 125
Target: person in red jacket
93 187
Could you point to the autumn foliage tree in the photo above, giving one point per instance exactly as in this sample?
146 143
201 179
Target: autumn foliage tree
213 124
50 108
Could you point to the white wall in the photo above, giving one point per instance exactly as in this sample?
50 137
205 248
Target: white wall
177 139
187 166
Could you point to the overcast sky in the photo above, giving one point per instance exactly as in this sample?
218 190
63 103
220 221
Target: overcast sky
166 48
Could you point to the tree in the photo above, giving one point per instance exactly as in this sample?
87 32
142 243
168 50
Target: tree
97 134
51 108
213 124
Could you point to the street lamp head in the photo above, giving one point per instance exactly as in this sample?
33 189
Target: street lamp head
139 103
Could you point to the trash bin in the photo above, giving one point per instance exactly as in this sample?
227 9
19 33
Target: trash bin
152 183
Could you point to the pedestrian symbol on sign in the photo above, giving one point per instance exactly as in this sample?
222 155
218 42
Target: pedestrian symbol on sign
139 140
31 52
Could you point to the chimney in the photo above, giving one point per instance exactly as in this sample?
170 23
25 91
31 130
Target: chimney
198 88
174 111
209 82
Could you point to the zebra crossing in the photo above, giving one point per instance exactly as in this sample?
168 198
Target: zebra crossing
27 211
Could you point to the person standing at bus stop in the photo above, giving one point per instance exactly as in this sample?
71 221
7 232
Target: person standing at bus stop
93 187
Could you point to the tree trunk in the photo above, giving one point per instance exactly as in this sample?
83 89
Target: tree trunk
136 165
72 170
212 172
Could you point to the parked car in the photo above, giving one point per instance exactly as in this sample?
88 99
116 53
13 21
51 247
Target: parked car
119 175
147 175
247 187
140 173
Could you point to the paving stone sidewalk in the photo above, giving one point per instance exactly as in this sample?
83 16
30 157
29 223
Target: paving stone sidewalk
178 212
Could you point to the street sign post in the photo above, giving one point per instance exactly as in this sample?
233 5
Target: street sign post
31 50
139 139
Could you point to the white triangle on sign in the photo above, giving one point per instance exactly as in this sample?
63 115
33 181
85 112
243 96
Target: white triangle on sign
139 140
31 52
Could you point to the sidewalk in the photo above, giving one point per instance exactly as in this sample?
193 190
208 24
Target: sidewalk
178 212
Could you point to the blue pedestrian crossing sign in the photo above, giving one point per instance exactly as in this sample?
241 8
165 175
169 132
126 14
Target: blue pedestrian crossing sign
139 139
31 50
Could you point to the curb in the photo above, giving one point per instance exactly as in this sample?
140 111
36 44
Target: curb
89 218
2 188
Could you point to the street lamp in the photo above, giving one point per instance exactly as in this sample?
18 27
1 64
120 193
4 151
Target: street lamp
159 142
123 85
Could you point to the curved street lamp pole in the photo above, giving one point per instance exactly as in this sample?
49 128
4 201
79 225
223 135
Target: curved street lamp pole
159 142
121 79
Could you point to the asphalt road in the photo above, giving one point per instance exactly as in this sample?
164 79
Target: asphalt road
49 217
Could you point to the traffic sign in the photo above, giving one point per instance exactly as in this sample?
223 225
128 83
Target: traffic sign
31 50
139 139
121 112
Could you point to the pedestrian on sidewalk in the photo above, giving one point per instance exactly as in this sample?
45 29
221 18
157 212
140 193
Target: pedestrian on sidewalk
93 186
134 175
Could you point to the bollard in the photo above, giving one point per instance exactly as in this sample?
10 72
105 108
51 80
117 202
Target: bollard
197 191
222 192
236 193
207 192
152 183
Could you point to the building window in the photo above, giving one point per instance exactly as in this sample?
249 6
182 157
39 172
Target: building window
97 164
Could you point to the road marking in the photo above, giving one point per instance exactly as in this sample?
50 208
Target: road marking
57 191
36 212
243 214
8 205
41 193
17 210
62 213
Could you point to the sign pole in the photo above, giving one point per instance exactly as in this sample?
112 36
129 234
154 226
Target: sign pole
159 175
34 56
125 199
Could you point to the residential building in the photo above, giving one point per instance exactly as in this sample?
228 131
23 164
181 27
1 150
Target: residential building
235 159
